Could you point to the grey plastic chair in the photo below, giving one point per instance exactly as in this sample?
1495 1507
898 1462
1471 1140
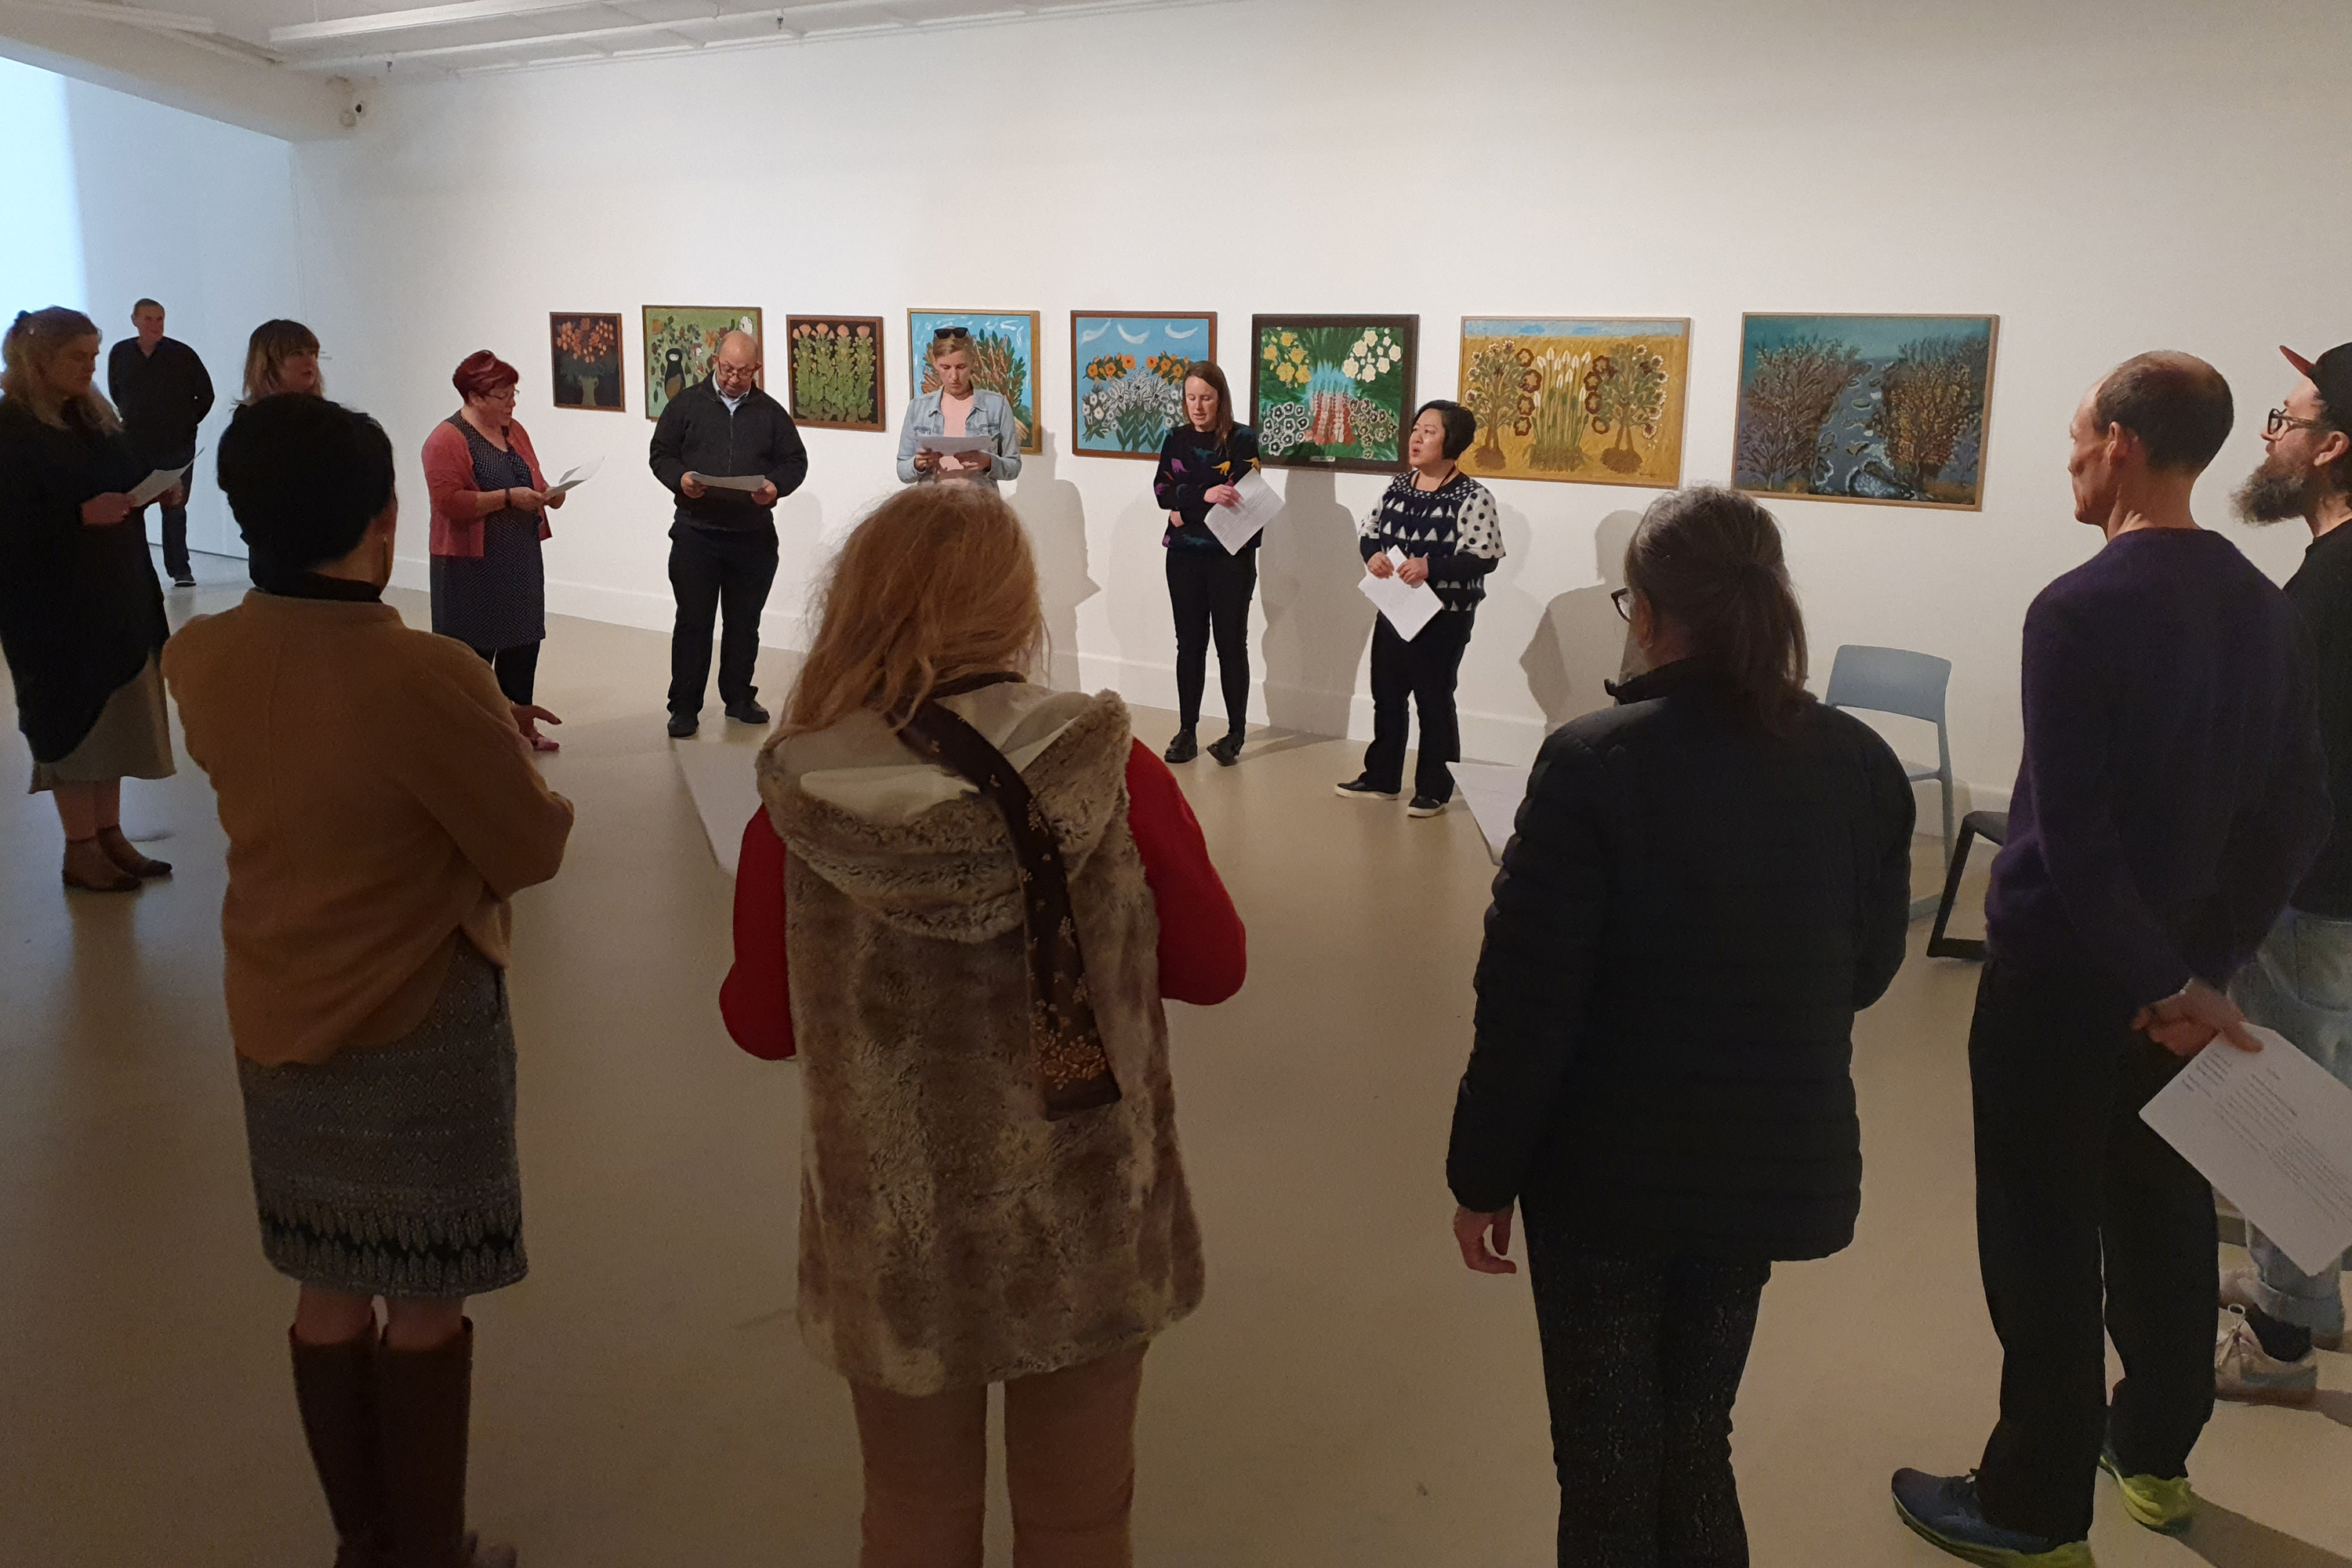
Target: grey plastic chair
1897 680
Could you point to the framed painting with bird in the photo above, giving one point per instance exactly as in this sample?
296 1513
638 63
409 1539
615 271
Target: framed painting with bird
680 341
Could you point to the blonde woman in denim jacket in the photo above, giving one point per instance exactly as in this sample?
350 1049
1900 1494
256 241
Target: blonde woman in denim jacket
957 408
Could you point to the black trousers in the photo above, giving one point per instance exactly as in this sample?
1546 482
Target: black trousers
1423 671
516 667
175 539
1210 592
2079 1201
1643 1357
711 570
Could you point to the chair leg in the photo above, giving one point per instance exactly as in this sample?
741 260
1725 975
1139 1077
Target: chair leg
1937 946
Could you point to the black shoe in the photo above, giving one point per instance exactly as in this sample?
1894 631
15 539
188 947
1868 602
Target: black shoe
1361 787
181 580
1228 751
1182 749
1427 805
681 725
747 712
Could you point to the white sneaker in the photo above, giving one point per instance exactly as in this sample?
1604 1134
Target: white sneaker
2238 1290
2246 1372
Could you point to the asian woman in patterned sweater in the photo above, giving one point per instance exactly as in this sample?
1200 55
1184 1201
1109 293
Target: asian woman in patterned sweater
1445 524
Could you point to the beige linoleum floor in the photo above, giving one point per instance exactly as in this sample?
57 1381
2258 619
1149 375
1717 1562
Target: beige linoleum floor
1349 1397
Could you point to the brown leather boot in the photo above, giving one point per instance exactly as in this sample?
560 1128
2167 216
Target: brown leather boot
90 868
125 854
424 1400
335 1387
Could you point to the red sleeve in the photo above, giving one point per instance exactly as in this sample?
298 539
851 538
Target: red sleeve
756 1000
1203 951
450 485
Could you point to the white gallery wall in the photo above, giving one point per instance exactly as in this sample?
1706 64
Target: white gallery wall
124 198
2103 186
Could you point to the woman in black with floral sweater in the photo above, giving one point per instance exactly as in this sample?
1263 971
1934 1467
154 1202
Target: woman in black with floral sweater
1209 587
1445 524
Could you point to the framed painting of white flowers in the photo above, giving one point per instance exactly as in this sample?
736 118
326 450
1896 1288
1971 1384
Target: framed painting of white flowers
1332 392
1127 378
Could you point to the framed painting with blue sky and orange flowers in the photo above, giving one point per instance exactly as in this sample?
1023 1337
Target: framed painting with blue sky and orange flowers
1127 378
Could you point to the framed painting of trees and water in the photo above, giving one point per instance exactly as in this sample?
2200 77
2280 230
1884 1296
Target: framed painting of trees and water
585 348
1127 378
1004 360
1595 400
835 369
1891 409
1332 392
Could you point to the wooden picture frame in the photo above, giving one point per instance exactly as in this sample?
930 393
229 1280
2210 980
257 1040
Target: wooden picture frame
1122 380
1317 403
833 373
1007 347
584 351
1821 361
1594 400
680 341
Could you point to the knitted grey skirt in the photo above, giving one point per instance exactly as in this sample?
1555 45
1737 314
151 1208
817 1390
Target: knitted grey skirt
390 1170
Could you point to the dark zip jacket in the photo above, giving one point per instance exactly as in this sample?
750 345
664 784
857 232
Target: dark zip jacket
696 435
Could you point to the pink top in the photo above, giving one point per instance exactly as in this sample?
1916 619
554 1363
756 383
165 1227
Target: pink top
449 481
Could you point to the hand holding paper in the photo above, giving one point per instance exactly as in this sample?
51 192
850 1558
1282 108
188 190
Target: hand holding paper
744 483
1408 606
156 483
1255 502
575 478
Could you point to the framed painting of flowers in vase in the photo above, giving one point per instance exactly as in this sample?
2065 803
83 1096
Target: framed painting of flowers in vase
586 350
1127 378
1332 392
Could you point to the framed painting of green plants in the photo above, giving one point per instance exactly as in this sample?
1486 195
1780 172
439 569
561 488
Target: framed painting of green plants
679 343
1332 392
585 349
1890 409
1003 359
836 372
1594 400
1127 378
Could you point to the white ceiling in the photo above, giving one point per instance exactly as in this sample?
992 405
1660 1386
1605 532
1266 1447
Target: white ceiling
337 38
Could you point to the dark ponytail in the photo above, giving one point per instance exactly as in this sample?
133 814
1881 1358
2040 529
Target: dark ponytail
1708 560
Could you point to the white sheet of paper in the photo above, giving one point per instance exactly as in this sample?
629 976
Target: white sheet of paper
1493 792
2271 1129
955 445
580 475
156 483
1234 526
1408 609
746 482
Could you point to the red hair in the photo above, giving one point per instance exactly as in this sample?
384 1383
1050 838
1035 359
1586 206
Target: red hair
481 372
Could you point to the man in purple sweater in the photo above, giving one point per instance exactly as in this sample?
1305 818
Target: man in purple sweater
2171 795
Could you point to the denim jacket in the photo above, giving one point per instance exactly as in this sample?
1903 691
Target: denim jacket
990 415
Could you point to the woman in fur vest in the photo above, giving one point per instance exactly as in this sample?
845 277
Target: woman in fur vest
961 906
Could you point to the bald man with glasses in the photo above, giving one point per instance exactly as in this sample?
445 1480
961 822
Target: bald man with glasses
729 453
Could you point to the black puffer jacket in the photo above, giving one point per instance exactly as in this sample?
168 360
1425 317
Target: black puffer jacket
1687 918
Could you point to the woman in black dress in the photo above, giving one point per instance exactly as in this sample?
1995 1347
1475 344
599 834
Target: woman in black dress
490 514
81 610
1209 587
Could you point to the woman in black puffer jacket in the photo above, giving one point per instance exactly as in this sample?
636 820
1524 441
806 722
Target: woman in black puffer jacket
1707 882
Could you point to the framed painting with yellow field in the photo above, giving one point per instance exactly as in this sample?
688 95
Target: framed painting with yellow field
1886 409
681 341
1003 359
1594 400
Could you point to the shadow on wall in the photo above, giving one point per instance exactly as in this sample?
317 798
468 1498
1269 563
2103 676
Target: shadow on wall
1582 641
1317 623
1056 516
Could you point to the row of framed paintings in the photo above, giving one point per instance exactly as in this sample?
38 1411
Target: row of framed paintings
1886 409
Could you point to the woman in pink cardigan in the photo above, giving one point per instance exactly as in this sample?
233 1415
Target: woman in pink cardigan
490 514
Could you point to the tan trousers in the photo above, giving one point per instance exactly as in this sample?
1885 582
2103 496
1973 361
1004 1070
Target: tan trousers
1069 1459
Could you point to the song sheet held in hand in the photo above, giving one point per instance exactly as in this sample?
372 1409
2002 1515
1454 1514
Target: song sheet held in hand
1408 609
955 445
575 477
1493 791
156 483
745 482
2271 1129
1235 526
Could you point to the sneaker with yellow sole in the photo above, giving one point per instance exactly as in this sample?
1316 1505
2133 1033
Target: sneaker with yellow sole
1944 1512
2155 1503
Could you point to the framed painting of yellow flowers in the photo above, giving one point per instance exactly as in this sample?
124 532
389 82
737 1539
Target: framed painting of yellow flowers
1592 400
1332 392
1127 378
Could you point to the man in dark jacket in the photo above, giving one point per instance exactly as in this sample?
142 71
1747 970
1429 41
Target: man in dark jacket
729 452
2171 795
163 392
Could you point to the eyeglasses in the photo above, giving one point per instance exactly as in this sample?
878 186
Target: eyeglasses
1623 599
2282 420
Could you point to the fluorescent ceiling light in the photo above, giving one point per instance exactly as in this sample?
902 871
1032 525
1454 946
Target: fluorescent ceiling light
541 41
422 16
132 15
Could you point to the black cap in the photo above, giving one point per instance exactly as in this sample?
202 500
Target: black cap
2332 373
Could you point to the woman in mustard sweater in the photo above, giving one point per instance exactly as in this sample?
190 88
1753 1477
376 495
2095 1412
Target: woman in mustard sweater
381 807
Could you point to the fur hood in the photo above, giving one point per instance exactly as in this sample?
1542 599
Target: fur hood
918 846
